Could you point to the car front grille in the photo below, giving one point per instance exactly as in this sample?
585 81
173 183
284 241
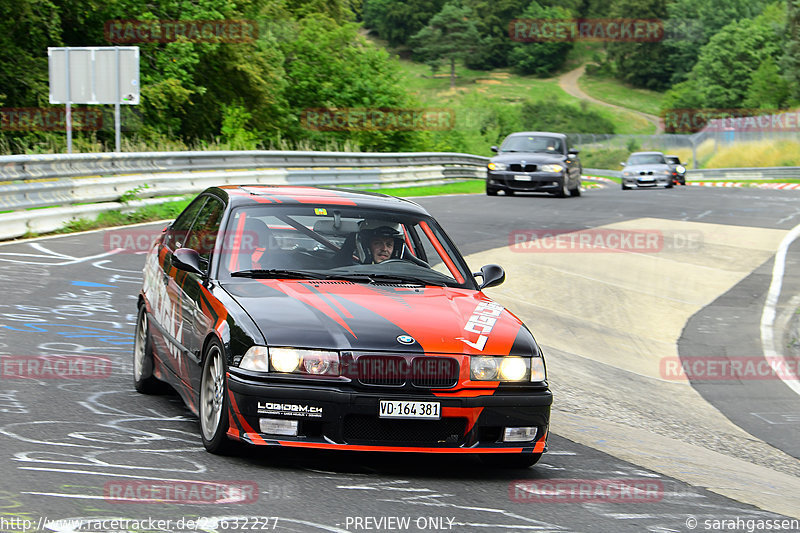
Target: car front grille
398 371
372 429
516 167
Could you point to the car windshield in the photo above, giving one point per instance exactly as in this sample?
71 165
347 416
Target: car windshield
347 243
673 160
532 143
646 159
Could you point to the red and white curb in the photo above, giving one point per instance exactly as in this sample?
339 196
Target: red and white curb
781 186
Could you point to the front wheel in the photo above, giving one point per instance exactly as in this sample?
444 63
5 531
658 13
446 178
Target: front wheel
214 402
504 460
491 192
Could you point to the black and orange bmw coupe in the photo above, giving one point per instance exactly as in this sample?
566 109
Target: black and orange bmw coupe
332 319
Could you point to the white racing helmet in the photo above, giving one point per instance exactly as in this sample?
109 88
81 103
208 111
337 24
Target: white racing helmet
370 228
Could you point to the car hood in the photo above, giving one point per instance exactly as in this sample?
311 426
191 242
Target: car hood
343 315
647 168
529 157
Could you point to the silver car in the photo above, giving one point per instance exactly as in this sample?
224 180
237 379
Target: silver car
646 169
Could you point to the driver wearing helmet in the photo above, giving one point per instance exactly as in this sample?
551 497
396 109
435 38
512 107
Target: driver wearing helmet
378 241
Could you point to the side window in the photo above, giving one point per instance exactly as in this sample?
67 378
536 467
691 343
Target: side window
203 235
177 233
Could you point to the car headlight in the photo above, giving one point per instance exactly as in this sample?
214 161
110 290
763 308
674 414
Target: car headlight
551 168
497 166
507 368
627 174
681 169
291 360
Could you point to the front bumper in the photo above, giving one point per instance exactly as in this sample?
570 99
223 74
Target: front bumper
338 417
646 181
525 181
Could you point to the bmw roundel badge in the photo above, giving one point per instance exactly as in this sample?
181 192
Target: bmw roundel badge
405 339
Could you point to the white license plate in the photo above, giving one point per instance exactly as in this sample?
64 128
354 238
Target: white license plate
403 409
522 177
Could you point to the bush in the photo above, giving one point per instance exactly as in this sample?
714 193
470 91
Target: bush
546 116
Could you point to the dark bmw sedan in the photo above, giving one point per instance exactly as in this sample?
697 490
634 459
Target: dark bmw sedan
327 319
535 161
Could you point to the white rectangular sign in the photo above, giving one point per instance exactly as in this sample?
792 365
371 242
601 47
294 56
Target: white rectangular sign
97 75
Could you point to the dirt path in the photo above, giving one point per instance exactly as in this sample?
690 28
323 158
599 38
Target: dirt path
569 82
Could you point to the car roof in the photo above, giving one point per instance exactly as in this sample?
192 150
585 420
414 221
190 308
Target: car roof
542 133
240 195
647 153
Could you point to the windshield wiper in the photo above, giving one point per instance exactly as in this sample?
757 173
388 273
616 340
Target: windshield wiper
385 278
277 273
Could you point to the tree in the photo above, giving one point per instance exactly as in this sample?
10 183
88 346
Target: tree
397 20
492 19
726 67
640 63
451 35
692 23
767 89
540 58
791 55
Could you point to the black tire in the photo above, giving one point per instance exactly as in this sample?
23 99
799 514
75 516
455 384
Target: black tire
625 187
669 185
213 407
564 192
508 192
505 460
491 192
576 191
143 379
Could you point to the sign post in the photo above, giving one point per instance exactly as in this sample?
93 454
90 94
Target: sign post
94 75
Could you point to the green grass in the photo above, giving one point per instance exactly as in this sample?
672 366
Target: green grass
618 93
462 187
474 90
150 213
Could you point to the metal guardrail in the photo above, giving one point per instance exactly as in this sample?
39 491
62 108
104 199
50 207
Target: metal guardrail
84 185
763 173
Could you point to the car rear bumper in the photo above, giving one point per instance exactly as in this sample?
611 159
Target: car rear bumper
338 418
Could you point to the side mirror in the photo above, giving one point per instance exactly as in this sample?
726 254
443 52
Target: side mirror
495 149
574 151
188 260
492 275
622 164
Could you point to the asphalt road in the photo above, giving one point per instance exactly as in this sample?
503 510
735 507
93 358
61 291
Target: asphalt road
73 450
